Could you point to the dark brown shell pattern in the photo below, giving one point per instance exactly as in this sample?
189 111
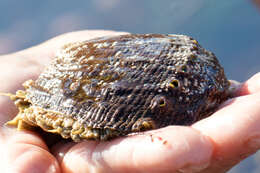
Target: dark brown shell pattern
117 85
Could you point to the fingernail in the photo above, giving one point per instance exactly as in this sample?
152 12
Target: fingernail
194 168
253 142
234 87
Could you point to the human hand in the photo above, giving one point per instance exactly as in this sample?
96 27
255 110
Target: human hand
257 2
214 144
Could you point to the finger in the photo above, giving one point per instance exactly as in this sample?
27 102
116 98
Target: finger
45 51
165 150
25 65
234 130
25 152
14 73
29 63
257 2
251 86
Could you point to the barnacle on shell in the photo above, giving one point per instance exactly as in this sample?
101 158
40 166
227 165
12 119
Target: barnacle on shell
112 86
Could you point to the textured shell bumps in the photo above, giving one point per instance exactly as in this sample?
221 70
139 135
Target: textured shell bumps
112 86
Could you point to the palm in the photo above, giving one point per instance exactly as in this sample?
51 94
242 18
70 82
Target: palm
211 145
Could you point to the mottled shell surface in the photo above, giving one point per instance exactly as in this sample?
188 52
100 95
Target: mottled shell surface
112 86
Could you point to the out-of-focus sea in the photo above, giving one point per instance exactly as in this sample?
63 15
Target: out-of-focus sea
229 28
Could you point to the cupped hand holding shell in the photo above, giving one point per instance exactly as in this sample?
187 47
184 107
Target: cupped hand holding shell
214 144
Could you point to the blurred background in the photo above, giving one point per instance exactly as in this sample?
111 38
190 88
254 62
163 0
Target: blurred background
229 28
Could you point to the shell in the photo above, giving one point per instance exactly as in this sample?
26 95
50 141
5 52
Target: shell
112 86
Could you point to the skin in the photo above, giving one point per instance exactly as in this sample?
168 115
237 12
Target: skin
257 2
214 144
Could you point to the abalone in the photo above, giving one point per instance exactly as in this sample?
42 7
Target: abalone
113 86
